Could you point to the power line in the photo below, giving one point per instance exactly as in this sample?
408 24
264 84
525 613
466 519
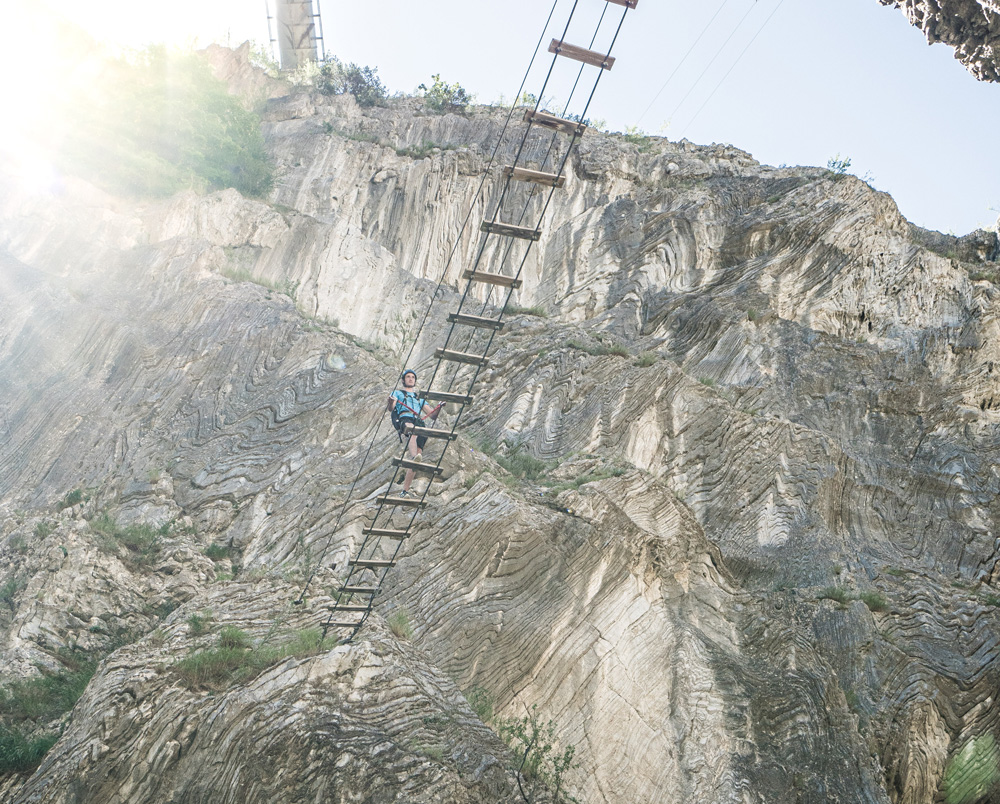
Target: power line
681 63
712 60
733 67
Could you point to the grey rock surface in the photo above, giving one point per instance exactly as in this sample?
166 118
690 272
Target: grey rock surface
760 564
971 27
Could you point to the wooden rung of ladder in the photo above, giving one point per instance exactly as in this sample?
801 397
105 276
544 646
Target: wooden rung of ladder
372 563
348 607
535 176
550 121
445 396
417 466
578 53
492 279
402 502
360 590
510 230
476 321
429 432
626 3
460 357
388 533
344 624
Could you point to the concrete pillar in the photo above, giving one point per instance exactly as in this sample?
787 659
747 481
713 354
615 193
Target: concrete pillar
296 32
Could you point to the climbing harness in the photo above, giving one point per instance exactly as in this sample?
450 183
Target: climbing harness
507 235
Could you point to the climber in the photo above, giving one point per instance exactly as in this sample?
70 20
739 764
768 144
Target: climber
408 409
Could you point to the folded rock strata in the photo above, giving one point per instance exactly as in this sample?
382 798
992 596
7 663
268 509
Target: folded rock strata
760 560
971 27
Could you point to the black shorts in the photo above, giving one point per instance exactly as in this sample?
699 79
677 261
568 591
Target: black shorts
405 420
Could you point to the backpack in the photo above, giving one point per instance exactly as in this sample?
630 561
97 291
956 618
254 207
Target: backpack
408 397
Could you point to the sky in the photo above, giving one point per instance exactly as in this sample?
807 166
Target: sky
786 80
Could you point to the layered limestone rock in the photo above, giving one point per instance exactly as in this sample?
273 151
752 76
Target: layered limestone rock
971 27
755 558
370 721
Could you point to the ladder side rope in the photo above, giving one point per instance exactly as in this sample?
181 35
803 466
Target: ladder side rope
360 565
434 295
552 143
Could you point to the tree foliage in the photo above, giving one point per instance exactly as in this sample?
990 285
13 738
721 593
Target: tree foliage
160 122
443 97
337 78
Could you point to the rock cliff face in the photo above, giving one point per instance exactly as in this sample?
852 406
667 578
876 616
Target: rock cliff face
972 27
756 560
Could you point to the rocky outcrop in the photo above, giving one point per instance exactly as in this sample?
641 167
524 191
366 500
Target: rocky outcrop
370 721
756 557
971 27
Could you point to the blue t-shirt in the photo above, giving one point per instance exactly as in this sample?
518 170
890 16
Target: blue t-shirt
408 403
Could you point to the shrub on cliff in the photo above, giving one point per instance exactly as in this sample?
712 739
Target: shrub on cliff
336 78
443 97
28 705
160 122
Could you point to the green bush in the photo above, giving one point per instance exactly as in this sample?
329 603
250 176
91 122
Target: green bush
198 623
481 702
444 97
874 601
161 122
603 473
49 696
636 136
837 166
21 754
336 78
534 745
141 542
646 359
217 552
522 465
72 498
9 590
43 529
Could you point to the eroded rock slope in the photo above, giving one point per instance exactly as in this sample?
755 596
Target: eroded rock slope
755 559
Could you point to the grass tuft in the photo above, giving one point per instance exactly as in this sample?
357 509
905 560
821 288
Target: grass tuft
599 350
399 624
218 552
141 542
482 703
75 497
588 477
874 601
236 659
835 593
21 754
198 623
522 465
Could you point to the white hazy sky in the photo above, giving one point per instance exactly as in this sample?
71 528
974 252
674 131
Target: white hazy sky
815 78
